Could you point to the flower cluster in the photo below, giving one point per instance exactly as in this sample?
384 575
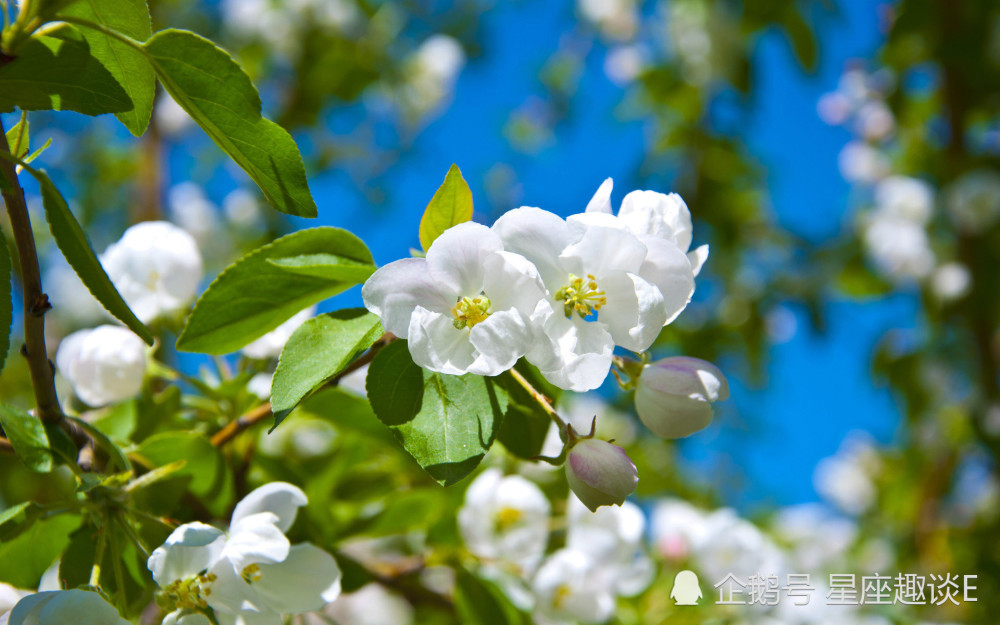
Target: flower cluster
562 293
250 573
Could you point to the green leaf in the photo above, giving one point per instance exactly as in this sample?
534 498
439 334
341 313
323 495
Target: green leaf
6 301
446 422
17 138
255 295
105 443
318 350
210 478
801 36
75 246
215 91
451 205
28 437
525 425
56 71
480 602
126 64
17 519
24 558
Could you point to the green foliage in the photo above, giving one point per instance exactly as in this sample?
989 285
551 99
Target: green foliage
75 246
6 301
451 205
16 519
525 425
127 65
206 473
28 437
17 139
24 558
318 350
215 91
481 602
258 292
446 422
56 71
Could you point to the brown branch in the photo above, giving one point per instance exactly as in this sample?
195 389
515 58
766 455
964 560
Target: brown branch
263 411
35 300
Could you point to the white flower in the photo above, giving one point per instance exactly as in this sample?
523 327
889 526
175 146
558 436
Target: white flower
71 300
674 396
595 297
732 544
79 607
568 589
9 596
974 200
951 281
846 479
906 198
860 162
156 267
818 540
250 574
677 528
899 247
505 518
372 604
600 474
171 119
104 365
613 537
467 307
270 345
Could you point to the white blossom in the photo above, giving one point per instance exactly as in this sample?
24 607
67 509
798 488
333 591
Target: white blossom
468 307
860 162
569 589
371 604
677 528
731 543
79 607
103 365
846 479
899 247
905 198
271 344
505 518
612 536
951 281
156 267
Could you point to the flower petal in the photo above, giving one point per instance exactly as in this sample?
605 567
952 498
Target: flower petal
698 256
255 539
436 344
667 216
572 353
189 550
80 607
455 259
539 236
635 312
604 246
601 202
512 281
393 291
280 498
306 580
500 340
669 269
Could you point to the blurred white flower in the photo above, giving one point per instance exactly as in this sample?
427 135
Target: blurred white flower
974 200
613 537
951 281
846 479
468 307
371 604
860 162
902 197
80 607
569 589
156 267
260 385
271 344
600 474
899 247
624 63
103 365
9 596
674 396
242 209
732 544
431 73
834 108
70 298
817 539
677 527
875 120
304 437
170 118
691 40
505 519
617 19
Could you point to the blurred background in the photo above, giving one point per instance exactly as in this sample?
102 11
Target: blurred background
841 158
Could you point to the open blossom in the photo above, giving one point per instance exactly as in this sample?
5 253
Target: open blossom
613 537
250 574
468 307
674 396
595 297
80 607
156 267
103 365
569 588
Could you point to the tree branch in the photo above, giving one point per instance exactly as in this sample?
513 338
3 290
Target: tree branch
35 300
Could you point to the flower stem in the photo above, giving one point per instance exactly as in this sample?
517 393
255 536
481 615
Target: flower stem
544 402
35 300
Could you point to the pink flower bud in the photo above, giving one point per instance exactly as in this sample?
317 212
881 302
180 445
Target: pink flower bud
674 396
600 474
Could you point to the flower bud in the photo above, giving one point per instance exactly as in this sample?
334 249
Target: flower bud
600 474
674 396
64 606
104 365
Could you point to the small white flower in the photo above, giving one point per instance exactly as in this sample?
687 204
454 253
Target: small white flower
974 200
860 162
677 527
731 543
951 281
613 537
271 344
899 247
569 589
674 396
467 307
505 518
104 365
372 604
818 540
846 479
79 607
902 197
156 267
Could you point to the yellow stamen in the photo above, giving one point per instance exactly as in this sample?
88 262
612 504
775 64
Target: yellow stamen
581 296
507 517
190 593
471 310
251 573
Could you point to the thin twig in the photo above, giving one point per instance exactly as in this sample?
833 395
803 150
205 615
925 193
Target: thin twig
35 300
263 411
544 402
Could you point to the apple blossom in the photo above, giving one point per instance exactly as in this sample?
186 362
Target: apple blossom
674 396
79 607
568 589
595 298
677 527
731 543
906 198
156 267
505 518
599 473
468 307
613 537
103 365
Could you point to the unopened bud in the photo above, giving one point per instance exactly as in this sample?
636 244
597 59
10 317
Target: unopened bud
600 474
674 396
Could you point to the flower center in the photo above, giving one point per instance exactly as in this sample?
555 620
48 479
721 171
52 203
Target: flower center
190 593
471 310
507 517
561 595
582 296
252 573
